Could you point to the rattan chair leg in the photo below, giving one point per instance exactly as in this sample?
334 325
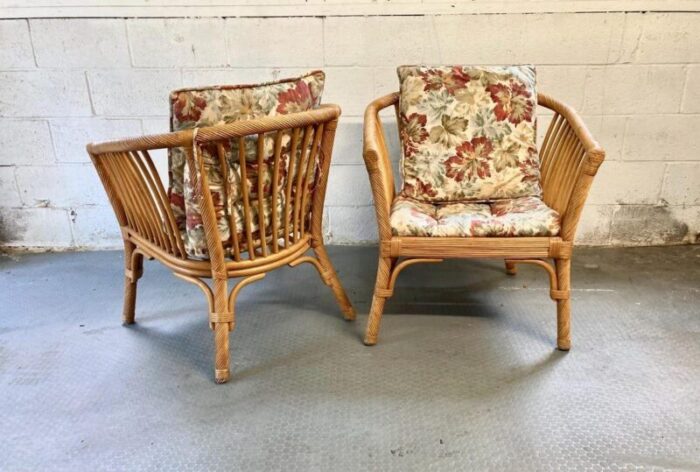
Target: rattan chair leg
338 290
384 269
222 322
129 313
564 304
133 265
222 356
511 268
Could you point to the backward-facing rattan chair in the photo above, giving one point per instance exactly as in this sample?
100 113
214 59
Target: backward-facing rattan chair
569 158
234 229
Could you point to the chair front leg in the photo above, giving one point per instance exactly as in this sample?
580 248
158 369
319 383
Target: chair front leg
563 304
338 290
221 357
221 320
386 265
133 269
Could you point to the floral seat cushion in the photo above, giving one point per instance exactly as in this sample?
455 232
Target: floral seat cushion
209 106
468 133
523 216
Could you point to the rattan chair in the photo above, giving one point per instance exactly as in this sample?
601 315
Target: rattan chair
569 159
266 242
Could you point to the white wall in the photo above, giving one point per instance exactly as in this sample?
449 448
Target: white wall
66 81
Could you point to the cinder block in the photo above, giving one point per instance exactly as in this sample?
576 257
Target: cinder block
348 186
44 93
159 156
202 77
689 216
352 225
594 226
71 135
682 184
691 94
351 88
594 93
95 228
275 42
662 137
15 45
564 38
187 42
35 227
90 42
627 183
378 41
646 225
123 92
25 142
470 39
609 131
156 125
386 80
60 186
633 89
565 83
653 38
9 195
347 148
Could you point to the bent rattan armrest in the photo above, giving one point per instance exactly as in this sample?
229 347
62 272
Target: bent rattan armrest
149 227
378 163
569 159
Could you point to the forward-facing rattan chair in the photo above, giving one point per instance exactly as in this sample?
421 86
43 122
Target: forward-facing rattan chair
569 158
245 197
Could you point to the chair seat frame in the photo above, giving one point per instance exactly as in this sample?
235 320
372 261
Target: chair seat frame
148 226
569 160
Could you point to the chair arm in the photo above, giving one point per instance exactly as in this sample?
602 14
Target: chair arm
135 189
143 143
378 164
570 158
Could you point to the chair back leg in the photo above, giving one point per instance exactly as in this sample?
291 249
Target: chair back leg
133 269
334 282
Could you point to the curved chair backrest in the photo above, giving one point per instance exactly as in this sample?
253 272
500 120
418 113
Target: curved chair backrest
274 176
288 164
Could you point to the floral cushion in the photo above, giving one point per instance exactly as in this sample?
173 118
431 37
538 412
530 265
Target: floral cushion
468 133
208 106
524 216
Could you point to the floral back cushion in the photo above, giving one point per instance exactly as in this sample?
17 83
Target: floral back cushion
468 133
209 106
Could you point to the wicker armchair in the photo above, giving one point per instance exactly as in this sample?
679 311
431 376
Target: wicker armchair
279 214
569 159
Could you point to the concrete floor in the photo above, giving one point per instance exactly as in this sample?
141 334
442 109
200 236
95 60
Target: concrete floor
465 376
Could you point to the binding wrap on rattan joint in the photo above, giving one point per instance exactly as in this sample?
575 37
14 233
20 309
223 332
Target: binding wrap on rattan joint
560 249
559 294
133 275
221 317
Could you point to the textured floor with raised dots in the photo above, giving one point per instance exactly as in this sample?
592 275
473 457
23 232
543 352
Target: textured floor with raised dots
464 377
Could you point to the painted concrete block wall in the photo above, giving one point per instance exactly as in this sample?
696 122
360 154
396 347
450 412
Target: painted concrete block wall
634 76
